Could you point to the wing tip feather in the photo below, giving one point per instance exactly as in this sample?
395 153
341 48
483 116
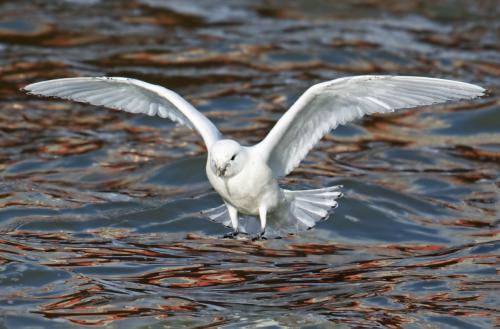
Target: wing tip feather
447 91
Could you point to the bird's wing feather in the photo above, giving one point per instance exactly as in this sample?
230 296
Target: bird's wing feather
326 105
129 95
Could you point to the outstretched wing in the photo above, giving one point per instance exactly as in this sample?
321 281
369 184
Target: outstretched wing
326 105
129 95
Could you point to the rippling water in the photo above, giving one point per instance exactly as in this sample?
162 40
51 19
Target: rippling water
100 210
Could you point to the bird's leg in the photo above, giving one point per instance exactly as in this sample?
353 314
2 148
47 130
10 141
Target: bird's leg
263 219
233 214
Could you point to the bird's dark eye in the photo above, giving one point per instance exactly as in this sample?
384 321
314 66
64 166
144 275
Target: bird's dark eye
233 157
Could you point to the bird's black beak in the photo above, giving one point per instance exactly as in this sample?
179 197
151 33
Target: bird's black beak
221 171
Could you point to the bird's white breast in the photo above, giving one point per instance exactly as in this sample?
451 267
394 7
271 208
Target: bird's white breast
252 187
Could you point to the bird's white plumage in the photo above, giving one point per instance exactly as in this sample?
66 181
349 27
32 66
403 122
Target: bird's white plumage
132 96
246 177
326 105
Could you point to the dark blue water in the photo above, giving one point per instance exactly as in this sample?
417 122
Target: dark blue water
100 218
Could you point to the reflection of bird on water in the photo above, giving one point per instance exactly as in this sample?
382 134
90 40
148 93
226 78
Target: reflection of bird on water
246 177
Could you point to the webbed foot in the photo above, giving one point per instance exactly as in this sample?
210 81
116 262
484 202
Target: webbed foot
259 236
231 235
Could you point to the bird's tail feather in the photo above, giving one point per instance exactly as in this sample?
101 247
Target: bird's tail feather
311 206
219 214
303 209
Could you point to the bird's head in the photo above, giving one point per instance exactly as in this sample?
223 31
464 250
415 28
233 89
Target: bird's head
227 158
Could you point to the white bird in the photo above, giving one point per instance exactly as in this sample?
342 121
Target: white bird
246 177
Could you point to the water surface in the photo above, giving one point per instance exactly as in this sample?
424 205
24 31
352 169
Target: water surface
100 218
